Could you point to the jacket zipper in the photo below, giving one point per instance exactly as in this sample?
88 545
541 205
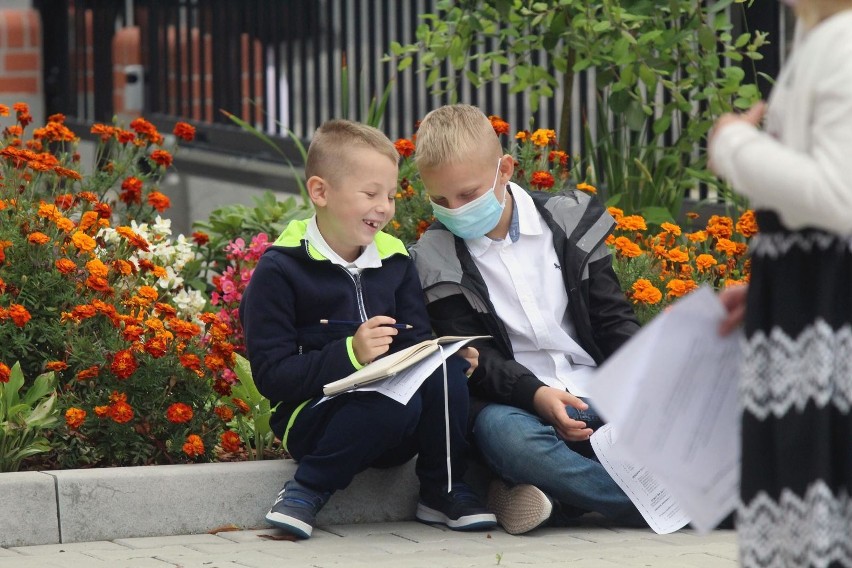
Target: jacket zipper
359 293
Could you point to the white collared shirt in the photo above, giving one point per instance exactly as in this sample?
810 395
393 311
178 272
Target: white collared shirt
525 284
369 257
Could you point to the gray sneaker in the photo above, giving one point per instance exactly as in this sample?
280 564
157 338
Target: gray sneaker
519 509
295 509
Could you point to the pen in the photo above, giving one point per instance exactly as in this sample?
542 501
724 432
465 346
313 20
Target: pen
352 322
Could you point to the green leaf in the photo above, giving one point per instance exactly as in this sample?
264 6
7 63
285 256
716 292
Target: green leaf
656 215
707 38
41 386
404 63
243 372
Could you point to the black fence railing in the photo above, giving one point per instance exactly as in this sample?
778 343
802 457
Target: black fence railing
277 65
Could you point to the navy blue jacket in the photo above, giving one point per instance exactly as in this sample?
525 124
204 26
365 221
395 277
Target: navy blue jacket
293 286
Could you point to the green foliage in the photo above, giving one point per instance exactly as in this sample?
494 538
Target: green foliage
24 419
253 426
655 62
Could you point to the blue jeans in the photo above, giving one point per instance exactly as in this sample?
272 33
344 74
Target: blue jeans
521 448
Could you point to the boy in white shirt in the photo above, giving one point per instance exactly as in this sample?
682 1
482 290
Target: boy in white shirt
530 269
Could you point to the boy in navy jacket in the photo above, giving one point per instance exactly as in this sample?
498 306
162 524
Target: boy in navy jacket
340 266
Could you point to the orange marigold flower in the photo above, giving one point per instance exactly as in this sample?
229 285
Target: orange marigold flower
190 361
4 110
157 346
102 411
522 135
732 282
49 211
159 271
132 332
214 362
222 387
194 446
148 292
147 130
19 314
543 137
103 130
165 309
56 366
83 242
179 413
405 147
645 292
499 125
131 190
720 227
64 201
122 267
678 287
89 373
97 268
38 238
241 405
183 329
588 188
121 412
558 156
134 239
123 364
231 441
162 158
542 180
677 255
159 201
98 284
610 239
726 246
83 311
697 236
615 212
705 262
5 373
627 248
224 412
631 223
184 131
74 417
671 229
747 224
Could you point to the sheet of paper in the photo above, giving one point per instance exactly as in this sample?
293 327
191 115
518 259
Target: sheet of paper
402 386
658 507
671 391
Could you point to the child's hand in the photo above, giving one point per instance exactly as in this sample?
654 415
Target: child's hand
471 355
550 405
734 301
373 338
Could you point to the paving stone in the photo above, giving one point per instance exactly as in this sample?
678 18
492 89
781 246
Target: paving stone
69 547
163 541
7 552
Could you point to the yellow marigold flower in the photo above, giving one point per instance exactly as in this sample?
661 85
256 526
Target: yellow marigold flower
697 236
631 223
522 135
747 224
543 137
678 287
615 212
627 248
587 188
727 246
677 255
671 229
645 292
705 262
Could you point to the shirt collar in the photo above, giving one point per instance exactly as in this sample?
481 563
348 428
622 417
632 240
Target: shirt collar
369 257
525 221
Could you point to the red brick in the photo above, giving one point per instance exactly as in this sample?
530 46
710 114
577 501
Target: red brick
13 22
22 61
13 84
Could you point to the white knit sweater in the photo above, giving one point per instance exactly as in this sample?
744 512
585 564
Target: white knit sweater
800 166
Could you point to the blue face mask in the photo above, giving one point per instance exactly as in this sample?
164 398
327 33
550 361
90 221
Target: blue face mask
475 219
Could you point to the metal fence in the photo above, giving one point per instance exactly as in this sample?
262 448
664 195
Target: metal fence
276 64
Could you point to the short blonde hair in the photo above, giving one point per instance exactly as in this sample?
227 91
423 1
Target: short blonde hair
812 12
329 149
453 134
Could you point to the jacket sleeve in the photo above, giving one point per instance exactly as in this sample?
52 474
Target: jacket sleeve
611 315
498 378
267 313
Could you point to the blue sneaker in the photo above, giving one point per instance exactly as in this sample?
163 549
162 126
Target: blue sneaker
460 509
295 509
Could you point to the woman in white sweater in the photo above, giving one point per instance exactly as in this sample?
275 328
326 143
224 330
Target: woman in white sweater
796 387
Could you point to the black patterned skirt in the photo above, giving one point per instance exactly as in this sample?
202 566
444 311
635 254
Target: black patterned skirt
796 394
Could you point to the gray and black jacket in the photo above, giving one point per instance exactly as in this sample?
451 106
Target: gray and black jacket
459 304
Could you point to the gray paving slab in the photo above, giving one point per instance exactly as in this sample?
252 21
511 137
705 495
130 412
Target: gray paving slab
29 509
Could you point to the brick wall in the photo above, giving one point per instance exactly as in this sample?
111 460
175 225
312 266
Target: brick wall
20 60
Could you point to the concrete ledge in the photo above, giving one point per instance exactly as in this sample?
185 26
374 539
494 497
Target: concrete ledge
84 505
29 509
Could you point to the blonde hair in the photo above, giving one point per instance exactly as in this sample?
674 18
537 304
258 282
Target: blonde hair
453 134
328 152
812 12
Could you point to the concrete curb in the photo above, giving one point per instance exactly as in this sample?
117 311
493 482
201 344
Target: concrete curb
82 505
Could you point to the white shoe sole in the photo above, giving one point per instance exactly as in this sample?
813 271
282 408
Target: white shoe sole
290 524
467 523
519 509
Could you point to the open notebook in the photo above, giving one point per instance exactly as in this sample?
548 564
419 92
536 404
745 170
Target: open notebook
390 365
